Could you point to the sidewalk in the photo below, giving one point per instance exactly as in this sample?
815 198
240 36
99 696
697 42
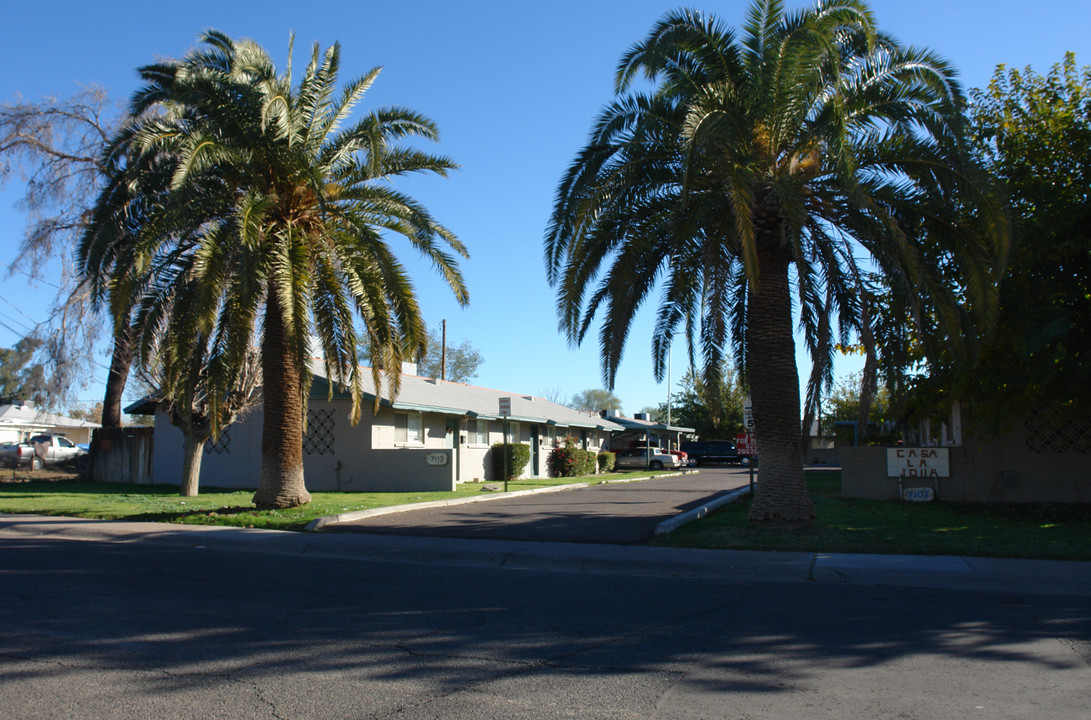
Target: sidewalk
1032 577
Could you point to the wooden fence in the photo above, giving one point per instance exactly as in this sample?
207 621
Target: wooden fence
121 454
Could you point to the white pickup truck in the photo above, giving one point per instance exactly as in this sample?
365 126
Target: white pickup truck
42 450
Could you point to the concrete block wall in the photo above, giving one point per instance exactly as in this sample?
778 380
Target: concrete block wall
1015 467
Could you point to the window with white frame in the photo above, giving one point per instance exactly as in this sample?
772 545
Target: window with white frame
478 431
407 428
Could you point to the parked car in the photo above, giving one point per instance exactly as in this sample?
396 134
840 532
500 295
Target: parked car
42 450
683 457
714 451
644 459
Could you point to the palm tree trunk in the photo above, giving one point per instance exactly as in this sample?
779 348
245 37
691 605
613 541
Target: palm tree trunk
781 496
191 463
120 362
281 482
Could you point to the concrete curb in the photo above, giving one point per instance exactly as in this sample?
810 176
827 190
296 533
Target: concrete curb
319 523
672 524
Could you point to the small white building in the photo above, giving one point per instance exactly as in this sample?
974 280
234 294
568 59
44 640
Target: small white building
22 420
435 435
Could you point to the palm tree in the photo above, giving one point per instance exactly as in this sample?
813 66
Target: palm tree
262 219
807 151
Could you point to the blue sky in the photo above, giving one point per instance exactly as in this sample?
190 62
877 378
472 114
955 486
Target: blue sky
513 87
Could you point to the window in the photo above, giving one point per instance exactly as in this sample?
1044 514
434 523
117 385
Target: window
407 429
479 432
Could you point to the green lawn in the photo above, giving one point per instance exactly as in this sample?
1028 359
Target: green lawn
215 506
1060 532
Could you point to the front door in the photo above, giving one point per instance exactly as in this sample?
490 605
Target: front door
534 466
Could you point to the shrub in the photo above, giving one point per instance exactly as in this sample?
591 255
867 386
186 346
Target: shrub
606 461
588 463
517 454
570 461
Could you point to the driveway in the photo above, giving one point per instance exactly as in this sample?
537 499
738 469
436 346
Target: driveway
617 513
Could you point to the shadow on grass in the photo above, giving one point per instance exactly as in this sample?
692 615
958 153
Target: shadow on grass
847 525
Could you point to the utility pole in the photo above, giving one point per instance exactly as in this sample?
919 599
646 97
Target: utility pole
443 353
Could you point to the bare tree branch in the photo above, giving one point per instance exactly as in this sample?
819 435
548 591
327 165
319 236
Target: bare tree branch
54 147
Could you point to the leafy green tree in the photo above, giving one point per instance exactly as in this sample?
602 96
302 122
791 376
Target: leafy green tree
714 412
808 148
262 212
91 413
1034 133
594 399
20 378
843 404
462 362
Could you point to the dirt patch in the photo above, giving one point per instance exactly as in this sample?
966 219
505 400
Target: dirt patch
21 474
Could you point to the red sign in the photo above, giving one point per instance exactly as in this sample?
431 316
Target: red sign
746 444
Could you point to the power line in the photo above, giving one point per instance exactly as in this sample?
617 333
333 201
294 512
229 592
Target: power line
20 311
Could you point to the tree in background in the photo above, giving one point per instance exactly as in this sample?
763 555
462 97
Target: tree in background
20 378
92 413
595 399
1034 132
843 405
462 363
554 395
262 211
809 147
57 146
713 411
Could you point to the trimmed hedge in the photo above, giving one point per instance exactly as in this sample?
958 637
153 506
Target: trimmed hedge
606 461
517 454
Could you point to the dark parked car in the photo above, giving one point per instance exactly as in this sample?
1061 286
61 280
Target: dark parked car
713 451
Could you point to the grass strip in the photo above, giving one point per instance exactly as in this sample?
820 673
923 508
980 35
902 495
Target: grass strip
218 506
844 525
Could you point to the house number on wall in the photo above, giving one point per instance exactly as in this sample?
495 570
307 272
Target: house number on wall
436 458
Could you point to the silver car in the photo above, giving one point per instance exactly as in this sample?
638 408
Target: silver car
644 459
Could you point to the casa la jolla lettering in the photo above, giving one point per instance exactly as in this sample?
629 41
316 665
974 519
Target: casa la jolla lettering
917 462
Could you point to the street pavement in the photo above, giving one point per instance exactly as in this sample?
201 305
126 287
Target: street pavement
108 620
616 513
129 621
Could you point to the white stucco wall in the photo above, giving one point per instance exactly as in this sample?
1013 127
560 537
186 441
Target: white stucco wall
356 458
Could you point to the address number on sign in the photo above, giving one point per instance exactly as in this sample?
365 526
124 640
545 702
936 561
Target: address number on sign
436 458
921 494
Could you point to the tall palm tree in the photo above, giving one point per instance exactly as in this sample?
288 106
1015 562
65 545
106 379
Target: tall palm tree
803 153
263 211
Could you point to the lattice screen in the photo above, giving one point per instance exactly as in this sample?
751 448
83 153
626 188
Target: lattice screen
1046 433
320 433
222 445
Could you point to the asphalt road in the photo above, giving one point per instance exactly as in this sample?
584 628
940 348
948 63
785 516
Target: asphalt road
121 621
616 513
